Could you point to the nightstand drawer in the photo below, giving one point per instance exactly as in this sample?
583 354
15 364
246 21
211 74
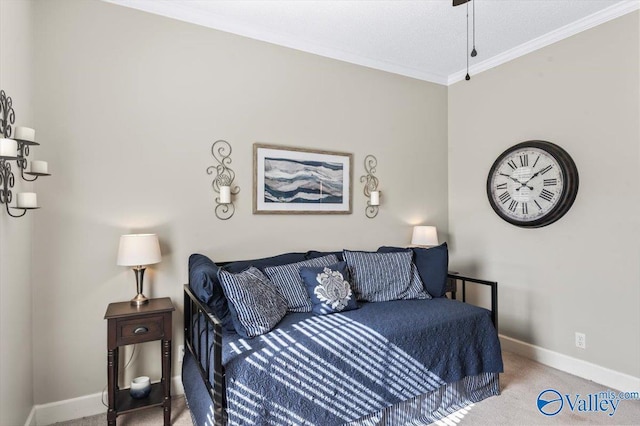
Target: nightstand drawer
138 330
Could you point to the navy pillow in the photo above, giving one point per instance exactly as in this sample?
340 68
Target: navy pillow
281 259
329 288
433 266
203 281
312 254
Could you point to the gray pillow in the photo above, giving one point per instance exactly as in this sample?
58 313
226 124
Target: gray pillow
288 282
380 277
256 307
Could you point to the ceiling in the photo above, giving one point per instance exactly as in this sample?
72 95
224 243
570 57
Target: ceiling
422 39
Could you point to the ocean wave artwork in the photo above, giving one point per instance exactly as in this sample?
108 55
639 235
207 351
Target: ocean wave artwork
294 181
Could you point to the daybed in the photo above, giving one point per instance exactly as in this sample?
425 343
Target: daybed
393 362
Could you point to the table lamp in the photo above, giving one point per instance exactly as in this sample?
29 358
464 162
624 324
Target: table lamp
139 250
426 236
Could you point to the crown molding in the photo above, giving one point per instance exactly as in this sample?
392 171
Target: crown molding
598 18
183 12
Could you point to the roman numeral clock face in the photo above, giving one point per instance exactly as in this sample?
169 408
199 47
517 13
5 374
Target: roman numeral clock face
532 184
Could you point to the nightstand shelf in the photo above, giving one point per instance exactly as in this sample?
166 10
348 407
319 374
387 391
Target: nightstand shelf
130 325
127 404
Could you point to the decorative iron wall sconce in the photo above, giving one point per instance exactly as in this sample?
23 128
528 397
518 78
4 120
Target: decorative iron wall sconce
371 186
223 182
17 148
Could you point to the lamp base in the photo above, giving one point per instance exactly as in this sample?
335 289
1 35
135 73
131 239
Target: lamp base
139 300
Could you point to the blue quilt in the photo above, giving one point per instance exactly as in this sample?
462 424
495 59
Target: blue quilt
332 369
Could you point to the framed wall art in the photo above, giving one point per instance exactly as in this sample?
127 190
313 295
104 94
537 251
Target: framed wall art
301 181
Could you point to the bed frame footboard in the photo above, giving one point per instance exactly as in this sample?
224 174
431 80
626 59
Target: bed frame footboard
454 277
198 319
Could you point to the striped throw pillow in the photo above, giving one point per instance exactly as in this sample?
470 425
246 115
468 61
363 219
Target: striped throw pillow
288 282
379 277
255 305
416 287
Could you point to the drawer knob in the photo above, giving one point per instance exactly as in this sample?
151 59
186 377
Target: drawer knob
140 330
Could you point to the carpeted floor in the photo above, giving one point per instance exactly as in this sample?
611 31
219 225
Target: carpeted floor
521 383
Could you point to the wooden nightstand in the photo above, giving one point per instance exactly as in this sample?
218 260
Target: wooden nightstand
128 325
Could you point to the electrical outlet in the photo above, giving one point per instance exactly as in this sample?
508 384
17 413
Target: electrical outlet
581 340
180 353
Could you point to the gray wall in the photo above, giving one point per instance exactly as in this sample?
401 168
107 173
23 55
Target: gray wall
580 273
130 103
16 370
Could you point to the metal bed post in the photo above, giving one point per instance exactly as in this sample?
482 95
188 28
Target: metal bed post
213 353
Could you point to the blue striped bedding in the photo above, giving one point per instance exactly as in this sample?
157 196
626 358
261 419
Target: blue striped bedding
339 368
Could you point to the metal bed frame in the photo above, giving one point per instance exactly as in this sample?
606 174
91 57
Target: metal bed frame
194 326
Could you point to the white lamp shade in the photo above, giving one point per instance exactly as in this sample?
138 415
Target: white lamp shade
139 250
424 236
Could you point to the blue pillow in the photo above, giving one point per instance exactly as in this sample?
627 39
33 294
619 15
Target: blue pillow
328 288
432 264
312 254
380 277
256 307
286 279
281 259
203 281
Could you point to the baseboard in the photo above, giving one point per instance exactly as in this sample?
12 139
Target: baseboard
611 379
31 420
90 405
75 408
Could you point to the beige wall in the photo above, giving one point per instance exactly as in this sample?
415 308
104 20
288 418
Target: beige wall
16 369
130 103
580 273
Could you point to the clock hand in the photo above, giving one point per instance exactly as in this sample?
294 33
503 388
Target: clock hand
532 176
524 184
512 178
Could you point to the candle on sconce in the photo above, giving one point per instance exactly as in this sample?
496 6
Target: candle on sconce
375 198
8 148
27 200
25 134
225 195
39 167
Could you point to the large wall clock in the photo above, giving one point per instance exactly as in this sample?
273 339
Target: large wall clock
532 184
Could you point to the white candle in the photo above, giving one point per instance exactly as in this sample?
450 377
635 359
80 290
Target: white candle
225 194
27 200
8 148
39 167
375 198
25 134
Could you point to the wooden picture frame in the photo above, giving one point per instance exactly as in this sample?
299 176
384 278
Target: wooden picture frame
290 180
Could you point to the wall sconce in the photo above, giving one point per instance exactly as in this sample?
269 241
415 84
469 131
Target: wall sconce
371 186
425 236
223 182
17 148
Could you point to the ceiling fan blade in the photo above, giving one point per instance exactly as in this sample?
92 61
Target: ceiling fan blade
459 2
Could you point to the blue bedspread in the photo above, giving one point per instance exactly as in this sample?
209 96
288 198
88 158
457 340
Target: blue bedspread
332 369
